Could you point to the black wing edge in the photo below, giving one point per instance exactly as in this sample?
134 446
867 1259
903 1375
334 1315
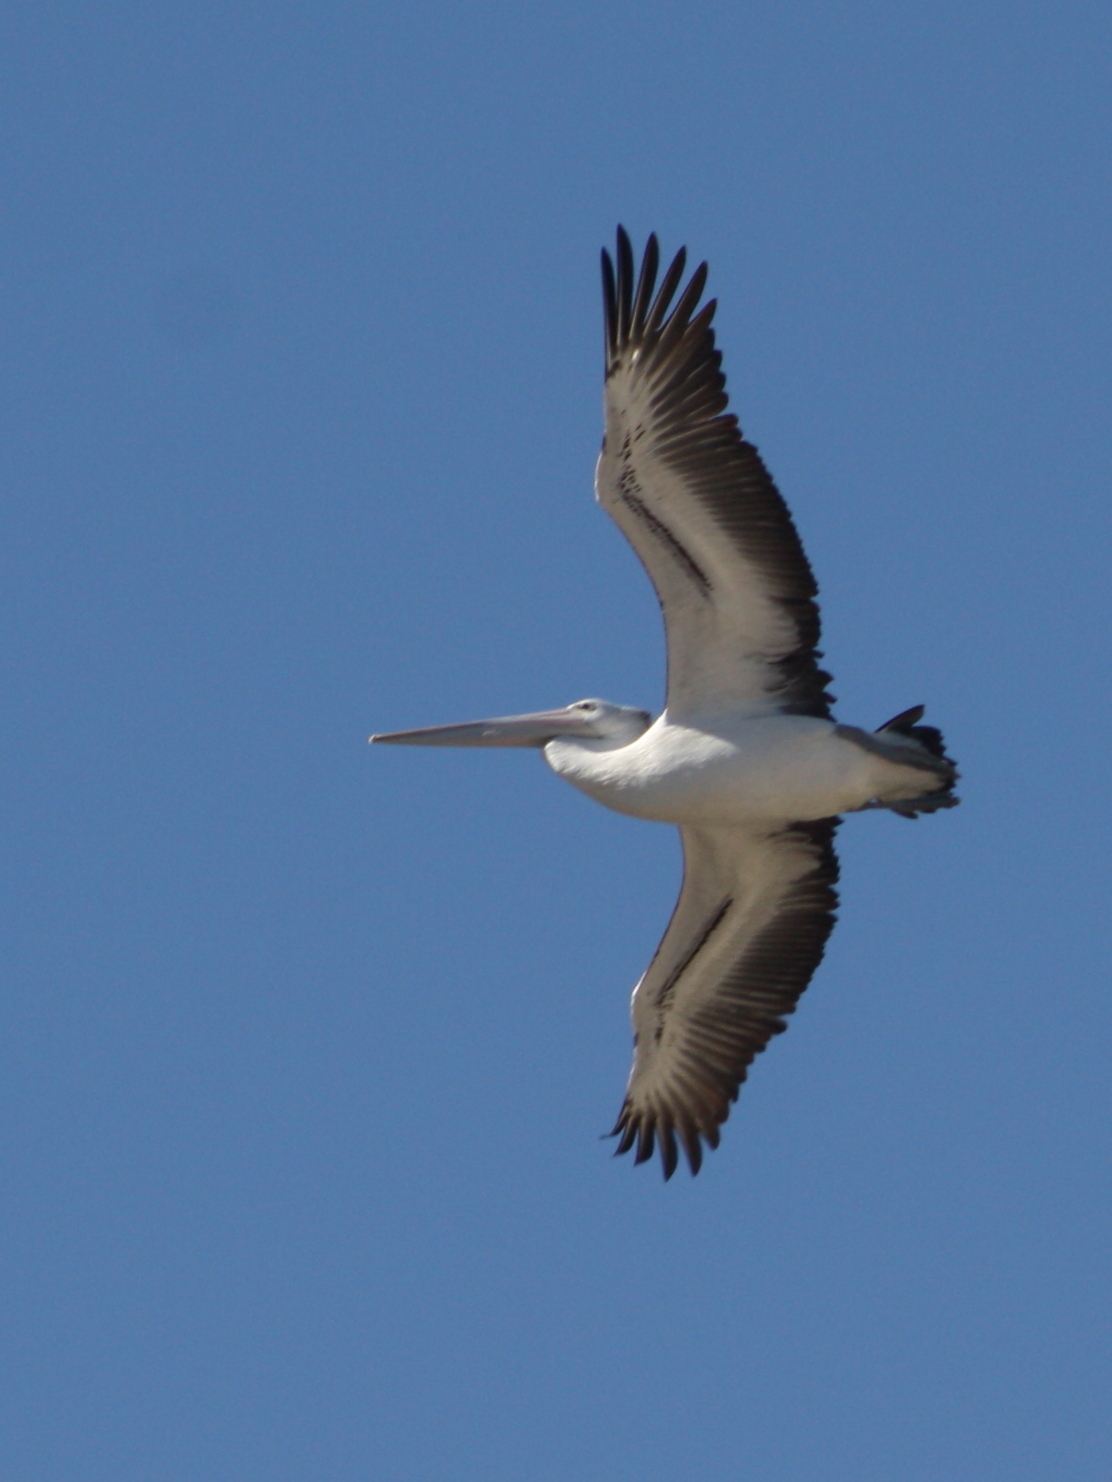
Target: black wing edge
726 1036
701 441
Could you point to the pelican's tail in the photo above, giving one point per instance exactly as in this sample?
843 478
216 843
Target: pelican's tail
905 727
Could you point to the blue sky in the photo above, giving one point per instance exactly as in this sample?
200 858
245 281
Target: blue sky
306 1049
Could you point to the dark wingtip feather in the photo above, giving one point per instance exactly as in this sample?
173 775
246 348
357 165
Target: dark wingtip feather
628 1130
651 1134
669 1154
693 1148
625 284
629 316
646 1140
645 284
670 283
692 293
679 320
610 306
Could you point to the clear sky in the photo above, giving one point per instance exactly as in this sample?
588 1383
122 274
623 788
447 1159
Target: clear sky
306 1048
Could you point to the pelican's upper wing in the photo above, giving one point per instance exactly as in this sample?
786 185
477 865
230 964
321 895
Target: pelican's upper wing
698 506
748 931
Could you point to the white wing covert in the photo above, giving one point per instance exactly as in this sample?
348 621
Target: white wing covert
699 507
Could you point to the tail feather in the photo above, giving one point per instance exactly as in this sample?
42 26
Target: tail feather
906 724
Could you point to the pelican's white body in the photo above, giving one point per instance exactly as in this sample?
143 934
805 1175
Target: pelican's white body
734 770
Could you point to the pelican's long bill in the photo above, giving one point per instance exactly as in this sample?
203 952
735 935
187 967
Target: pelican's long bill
535 729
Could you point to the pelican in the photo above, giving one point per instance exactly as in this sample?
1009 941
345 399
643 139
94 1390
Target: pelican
745 758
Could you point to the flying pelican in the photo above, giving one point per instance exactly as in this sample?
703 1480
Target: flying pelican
746 757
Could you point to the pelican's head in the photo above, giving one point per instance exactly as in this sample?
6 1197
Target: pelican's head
586 720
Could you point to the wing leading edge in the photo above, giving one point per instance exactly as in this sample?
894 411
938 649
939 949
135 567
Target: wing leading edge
698 506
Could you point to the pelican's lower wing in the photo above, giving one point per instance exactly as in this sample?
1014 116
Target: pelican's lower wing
748 931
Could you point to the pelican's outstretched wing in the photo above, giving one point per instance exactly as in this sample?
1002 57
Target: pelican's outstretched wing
748 931
698 506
